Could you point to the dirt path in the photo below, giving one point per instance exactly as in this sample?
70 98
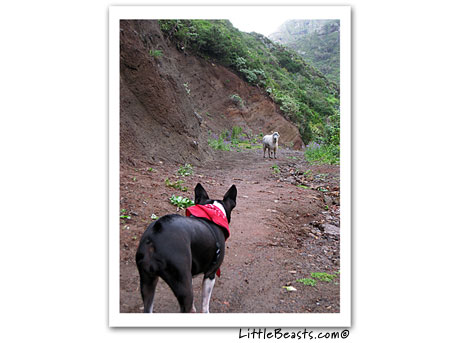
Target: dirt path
279 232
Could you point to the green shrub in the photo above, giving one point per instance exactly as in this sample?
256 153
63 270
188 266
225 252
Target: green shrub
237 100
236 132
316 153
218 144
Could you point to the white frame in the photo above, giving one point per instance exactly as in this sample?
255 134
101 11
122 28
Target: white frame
342 319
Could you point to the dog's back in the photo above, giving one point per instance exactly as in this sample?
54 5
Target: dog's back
175 248
171 233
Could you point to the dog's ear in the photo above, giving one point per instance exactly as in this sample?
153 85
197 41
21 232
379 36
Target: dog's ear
229 199
200 195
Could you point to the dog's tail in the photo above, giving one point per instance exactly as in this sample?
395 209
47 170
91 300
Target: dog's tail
146 258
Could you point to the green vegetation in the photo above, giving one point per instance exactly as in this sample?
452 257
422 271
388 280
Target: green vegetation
234 139
324 276
237 100
236 132
276 169
155 53
177 184
303 186
124 215
317 41
218 144
304 94
154 217
322 154
307 282
185 170
181 202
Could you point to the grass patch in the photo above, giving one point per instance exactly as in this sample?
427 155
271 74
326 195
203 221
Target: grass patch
247 145
307 282
324 276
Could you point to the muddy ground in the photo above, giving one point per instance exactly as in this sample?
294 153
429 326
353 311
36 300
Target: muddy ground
280 232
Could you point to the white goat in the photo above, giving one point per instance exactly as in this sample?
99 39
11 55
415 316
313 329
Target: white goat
270 142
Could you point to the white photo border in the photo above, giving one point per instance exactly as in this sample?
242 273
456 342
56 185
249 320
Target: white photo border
289 320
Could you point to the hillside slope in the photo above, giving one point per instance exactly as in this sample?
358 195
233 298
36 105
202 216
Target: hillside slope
317 41
172 101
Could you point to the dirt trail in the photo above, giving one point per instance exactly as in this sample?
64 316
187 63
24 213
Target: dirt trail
279 231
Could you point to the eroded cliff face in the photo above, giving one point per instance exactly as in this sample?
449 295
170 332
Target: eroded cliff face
171 101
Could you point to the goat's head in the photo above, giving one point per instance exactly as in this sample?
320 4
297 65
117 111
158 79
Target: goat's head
275 136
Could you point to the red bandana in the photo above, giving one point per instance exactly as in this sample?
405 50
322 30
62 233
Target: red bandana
212 213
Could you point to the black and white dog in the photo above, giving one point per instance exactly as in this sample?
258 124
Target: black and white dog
176 248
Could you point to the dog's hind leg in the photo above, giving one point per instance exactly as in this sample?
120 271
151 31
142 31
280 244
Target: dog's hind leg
148 287
183 291
207 288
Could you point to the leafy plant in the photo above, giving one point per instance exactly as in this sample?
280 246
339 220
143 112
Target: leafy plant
218 144
186 87
236 132
237 100
181 202
276 169
323 276
185 170
124 215
317 153
156 53
307 282
307 173
177 184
